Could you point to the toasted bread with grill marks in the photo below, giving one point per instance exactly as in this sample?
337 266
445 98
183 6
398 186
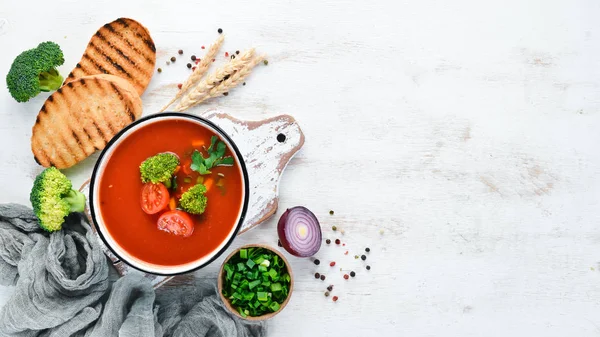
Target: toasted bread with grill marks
81 117
123 48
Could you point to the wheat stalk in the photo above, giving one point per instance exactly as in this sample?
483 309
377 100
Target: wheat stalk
201 91
234 79
200 70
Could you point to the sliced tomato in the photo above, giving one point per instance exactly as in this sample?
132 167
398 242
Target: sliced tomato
154 198
177 223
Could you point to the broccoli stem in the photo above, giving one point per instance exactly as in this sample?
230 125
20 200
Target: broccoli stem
76 200
50 80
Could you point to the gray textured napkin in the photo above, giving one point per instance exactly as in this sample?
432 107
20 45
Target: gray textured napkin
62 289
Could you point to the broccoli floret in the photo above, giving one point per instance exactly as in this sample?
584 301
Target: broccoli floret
53 198
193 200
34 70
159 168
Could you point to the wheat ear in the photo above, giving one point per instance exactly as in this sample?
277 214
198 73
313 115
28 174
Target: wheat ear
235 79
201 91
197 74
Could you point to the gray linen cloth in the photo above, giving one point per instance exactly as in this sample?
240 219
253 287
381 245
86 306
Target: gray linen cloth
62 289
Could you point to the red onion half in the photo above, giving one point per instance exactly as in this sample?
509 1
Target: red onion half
299 232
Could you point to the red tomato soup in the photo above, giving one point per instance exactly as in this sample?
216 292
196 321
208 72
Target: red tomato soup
121 185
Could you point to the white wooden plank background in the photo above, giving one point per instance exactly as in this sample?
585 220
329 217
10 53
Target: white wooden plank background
467 130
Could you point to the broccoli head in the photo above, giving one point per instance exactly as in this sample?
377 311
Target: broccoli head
34 70
53 198
193 200
159 168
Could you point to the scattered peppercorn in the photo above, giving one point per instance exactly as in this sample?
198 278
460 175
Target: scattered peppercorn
173 59
193 68
232 57
159 70
279 243
337 241
327 241
202 47
363 257
346 253
334 298
322 277
179 86
193 57
327 294
197 61
266 62
331 212
189 65
346 276
317 262
168 62
225 93
213 60
343 245
343 231
356 256
332 263
226 54
367 249
352 274
317 275
180 52
330 288
368 267
226 77
219 31
334 228
244 83
237 52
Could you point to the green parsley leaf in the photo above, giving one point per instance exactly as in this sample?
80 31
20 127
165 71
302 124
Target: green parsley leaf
216 153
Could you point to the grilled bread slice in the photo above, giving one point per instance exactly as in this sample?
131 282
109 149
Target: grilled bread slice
81 117
123 48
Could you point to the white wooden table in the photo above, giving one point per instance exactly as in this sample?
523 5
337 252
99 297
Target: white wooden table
467 132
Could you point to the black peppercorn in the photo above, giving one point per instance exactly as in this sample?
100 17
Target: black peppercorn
173 59
317 275
367 249
337 241
334 228
330 288
266 62
352 274
368 267
180 52
331 212
159 70
327 241
189 65
219 31
232 57
363 257
193 57
225 93
237 52
327 294
317 262
322 277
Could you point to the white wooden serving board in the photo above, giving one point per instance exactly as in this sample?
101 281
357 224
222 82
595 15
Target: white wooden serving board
265 157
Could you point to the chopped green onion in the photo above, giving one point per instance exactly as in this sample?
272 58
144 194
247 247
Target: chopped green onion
274 306
262 296
241 266
275 287
262 268
253 284
244 254
272 273
265 263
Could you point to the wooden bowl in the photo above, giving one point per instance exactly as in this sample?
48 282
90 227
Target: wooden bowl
226 301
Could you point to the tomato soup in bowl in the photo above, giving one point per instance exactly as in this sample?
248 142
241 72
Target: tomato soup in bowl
169 193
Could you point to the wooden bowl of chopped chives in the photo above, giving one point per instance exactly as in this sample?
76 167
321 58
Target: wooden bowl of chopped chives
255 282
